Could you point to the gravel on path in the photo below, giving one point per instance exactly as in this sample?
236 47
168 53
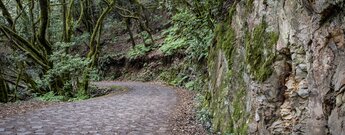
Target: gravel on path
144 109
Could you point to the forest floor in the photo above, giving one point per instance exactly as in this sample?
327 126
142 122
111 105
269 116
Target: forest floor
146 108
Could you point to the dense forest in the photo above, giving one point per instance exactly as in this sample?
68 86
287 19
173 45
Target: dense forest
255 66
58 46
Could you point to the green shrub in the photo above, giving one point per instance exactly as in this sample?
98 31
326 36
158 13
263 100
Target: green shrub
190 85
147 39
203 114
68 69
189 34
178 81
138 51
50 96
79 96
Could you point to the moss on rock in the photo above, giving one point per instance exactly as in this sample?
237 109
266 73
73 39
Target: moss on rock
225 38
225 100
260 51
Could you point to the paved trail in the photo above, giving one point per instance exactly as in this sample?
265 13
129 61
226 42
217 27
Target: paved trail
144 109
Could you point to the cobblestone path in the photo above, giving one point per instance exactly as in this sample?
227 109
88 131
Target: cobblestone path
142 110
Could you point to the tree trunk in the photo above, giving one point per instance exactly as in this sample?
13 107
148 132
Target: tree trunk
94 45
19 76
87 18
44 15
64 20
143 27
128 26
25 46
144 22
32 22
3 89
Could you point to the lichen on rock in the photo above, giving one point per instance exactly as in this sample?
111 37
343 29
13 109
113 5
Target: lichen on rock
260 51
277 67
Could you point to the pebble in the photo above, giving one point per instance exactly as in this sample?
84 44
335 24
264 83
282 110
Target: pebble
303 93
37 127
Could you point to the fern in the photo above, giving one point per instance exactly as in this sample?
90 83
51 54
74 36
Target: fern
68 68
189 35
138 51
50 96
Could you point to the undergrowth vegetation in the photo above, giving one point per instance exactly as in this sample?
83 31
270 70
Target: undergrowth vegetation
189 34
67 68
138 51
50 96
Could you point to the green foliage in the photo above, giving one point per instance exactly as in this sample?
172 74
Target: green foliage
190 85
173 77
146 36
178 81
260 52
171 43
166 76
45 64
80 96
210 9
56 21
138 51
189 34
117 25
203 114
185 76
78 40
196 84
68 68
50 96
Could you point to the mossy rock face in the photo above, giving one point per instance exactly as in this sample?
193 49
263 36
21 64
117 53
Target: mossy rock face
260 52
249 6
225 99
225 38
227 64
227 94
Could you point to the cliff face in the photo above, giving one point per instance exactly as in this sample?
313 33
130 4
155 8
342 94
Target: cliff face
278 67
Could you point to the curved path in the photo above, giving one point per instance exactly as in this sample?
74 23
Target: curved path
144 109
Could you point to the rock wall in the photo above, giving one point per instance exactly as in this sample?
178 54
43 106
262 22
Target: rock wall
278 67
